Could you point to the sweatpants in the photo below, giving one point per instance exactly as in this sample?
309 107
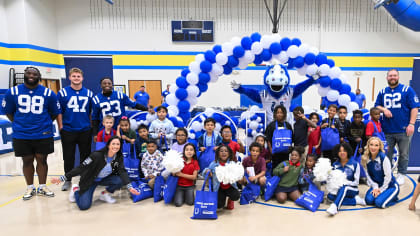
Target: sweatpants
385 199
345 196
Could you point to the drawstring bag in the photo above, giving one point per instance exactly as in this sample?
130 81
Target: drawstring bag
330 138
143 188
131 163
250 193
282 139
158 188
170 189
311 199
205 204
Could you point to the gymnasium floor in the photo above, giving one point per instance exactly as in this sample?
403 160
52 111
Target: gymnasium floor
56 216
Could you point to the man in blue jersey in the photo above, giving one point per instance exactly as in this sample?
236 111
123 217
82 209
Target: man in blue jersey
110 102
360 99
142 97
399 103
165 93
74 121
32 108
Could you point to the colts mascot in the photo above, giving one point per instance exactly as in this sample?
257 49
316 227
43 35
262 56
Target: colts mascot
280 92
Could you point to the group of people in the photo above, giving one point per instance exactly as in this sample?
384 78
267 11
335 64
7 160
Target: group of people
285 150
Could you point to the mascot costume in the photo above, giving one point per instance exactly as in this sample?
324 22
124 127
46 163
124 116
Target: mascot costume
278 90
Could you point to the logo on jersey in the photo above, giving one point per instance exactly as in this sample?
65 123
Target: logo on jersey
3 103
377 166
348 172
416 99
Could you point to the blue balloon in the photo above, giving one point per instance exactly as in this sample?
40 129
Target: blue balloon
238 51
331 62
258 60
242 124
299 62
249 132
182 82
296 42
185 116
266 55
290 63
227 69
321 59
174 120
285 43
256 37
345 89
352 96
165 104
185 72
181 93
191 131
254 117
336 84
232 62
310 58
246 43
205 66
184 105
235 120
217 48
210 56
203 78
218 118
292 107
275 48
202 87
324 81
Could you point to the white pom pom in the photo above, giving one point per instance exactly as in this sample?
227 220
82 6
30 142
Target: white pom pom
230 173
322 169
173 161
336 179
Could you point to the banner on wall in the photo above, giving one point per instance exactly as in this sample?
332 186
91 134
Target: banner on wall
414 162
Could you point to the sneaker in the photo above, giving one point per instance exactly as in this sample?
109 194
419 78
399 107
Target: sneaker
230 205
360 201
66 186
45 191
400 179
73 189
332 210
30 192
106 197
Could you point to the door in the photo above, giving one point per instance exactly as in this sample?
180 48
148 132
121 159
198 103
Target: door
152 87
52 84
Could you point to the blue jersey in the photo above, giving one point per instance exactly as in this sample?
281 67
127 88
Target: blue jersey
142 98
379 173
76 107
399 101
32 110
351 169
113 105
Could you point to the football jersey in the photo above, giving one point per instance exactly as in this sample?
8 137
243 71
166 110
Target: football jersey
399 101
113 105
76 107
269 103
32 110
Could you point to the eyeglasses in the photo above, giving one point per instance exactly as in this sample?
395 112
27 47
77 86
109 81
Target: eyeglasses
181 135
226 132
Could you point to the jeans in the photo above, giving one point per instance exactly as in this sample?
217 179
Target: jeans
184 194
84 201
403 142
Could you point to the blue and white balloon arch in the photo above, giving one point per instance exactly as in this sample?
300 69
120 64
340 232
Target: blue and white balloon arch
240 52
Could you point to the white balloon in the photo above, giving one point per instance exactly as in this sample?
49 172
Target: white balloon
343 78
196 126
146 123
265 41
254 133
236 41
150 117
245 114
302 70
192 101
323 91
199 58
173 88
349 115
133 124
227 48
209 111
258 119
217 69
221 59
248 56
354 106
227 122
312 69
314 50
195 67
283 57
171 99
218 127
324 69
191 136
256 48
173 110
333 95
303 50
243 64
253 125
344 100
276 38
335 72
192 78
293 51
213 77
193 91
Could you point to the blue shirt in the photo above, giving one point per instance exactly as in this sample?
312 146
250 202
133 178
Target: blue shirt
142 98
107 170
359 99
113 105
76 107
32 110
399 101
165 93
351 169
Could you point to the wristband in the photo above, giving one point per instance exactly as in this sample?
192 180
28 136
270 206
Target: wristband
411 124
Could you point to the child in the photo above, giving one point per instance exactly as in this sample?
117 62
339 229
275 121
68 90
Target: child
264 153
289 173
254 165
332 123
384 189
343 124
141 141
375 114
357 131
226 132
151 163
107 132
348 194
278 131
151 110
162 129
314 136
307 172
187 176
209 138
300 128
181 136
223 156
416 193
124 131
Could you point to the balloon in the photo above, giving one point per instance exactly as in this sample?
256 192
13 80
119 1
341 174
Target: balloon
181 82
303 50
185 72
194 67
192 78
352 96
323 91
345 89
242 64
336 84
285 43
354 106
332 95
181 93
256 48
299 62
217 48
173 110
343 78
203 87
335 72
254 108
196 126
227 69
265 41
331 62
321 59
217 69
312 69
232 61
275 48
324 81
213 77
310 58
293 51
253 125
203 78
236 41
314 50
238 51
249 56
205 66
209 111
193 91
221 59
266 55
324 69
344 100
199 57
246 43
210 56
258 60
173 88
302 70
227 48
283 57
296 42
183 105
192 101
256 37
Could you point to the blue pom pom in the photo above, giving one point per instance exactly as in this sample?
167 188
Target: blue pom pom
185 72
299 62
165 104
205 66
181 93
275 48
183 105
336 84
345 89
238 51
181 82
203 78
217 48
310 58
321 59
258 60
352 96
227 69
296 42
202 87
285 43
324 81
266 55
256 37
210 56
232 62
246 43
331 62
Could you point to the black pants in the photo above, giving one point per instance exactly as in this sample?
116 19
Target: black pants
231 192
278 158
69 141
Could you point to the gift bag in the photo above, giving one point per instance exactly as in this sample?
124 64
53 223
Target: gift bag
312 198
380 135
170 189
206 157
269 169
100 145
358 158
205 204
131 163
250 193
330 138
282 139
143 188
158 188
270 187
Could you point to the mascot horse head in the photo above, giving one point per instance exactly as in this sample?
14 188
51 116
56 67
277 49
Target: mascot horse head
276 79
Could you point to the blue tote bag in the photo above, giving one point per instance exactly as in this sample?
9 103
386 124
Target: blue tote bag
143 188
282 139
330 138
250 193
380 135
100 145
131 163
312 198
206 158
158 188
358 158
205 203
169 189
270 187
